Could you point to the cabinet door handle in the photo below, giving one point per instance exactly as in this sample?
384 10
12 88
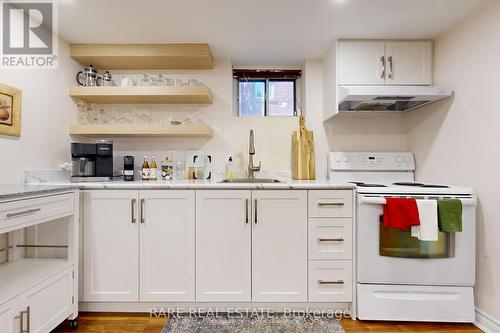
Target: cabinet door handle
390 75
143 210
21 321
132 207
331 282
246 211
24 212
382 60
330 239
326 204
255 211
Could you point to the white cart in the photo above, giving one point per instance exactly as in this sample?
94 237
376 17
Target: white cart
39 248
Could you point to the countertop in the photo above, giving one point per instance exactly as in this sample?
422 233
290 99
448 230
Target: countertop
21 191
285 184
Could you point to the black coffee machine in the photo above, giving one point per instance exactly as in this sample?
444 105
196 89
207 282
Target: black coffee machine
92 161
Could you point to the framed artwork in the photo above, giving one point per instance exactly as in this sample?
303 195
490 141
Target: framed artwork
10 110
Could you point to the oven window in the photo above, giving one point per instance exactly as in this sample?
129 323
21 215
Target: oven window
398 243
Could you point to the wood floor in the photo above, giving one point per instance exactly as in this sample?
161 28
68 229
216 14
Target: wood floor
142 323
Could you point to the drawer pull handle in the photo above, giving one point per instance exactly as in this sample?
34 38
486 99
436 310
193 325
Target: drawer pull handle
331 282
328 204
330 239
21 319
24 212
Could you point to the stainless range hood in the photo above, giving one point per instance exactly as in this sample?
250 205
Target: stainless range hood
388 98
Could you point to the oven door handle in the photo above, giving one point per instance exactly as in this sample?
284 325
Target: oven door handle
468 202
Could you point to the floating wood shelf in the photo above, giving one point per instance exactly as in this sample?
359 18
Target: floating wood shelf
143 95
143 56
145 131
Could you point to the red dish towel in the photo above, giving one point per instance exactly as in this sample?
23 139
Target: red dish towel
401 213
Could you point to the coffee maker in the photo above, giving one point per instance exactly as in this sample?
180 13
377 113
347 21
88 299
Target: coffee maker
92 161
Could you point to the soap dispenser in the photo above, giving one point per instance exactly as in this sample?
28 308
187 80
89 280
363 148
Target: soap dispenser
230 169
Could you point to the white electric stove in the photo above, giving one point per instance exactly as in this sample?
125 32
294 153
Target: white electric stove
400 277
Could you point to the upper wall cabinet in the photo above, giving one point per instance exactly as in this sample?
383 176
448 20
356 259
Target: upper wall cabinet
384 62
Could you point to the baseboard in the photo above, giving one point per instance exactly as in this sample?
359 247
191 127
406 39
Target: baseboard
486 322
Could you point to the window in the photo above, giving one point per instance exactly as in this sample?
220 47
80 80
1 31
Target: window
266 92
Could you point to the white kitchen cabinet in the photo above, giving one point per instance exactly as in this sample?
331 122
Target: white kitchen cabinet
279 246
409 62
364 62
361 62
223 246
9 316
48 303
111 246
167 248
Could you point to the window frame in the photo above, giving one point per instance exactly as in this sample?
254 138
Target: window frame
266 95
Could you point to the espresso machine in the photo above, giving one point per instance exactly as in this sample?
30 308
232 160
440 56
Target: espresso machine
92 161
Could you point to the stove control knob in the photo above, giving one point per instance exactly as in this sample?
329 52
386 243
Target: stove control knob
346 159
398 159
406 159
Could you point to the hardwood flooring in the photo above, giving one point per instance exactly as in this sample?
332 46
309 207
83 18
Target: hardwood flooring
142 323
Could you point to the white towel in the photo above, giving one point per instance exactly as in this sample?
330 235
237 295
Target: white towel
428 215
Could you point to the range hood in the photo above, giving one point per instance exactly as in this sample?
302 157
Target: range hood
388 98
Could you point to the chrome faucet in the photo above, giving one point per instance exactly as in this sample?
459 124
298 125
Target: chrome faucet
251 152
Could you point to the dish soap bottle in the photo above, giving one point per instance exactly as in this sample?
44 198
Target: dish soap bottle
145 169
230 169
153 169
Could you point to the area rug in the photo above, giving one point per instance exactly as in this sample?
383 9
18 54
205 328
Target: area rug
275 323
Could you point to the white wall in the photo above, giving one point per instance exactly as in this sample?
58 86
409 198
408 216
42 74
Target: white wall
231 134
457 141
272 134
47 110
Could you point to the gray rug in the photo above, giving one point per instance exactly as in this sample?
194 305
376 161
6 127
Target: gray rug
276 323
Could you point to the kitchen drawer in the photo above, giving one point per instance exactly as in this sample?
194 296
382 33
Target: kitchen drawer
28 211
415 303
330 238
330 281
330 203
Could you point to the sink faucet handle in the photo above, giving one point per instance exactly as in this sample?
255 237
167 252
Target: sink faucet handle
258 167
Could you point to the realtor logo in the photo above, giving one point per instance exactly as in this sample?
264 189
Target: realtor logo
29 39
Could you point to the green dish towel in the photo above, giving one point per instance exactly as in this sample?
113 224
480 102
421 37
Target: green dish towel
450 215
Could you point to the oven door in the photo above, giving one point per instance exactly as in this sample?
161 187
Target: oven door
394 257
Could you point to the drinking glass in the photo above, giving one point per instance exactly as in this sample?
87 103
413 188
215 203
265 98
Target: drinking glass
146 80
180 170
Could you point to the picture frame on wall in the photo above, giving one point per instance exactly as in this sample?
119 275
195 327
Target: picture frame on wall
10 110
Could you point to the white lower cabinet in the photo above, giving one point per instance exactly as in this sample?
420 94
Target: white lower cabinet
138 246
279 246
48 303
111 246
167 246
216 246
223 246
9 316
41 308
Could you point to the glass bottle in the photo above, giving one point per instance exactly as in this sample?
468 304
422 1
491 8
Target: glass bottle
153 171
146 171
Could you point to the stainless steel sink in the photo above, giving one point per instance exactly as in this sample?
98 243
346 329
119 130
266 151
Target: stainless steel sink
247 180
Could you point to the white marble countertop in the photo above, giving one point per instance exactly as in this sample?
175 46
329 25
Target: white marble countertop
203 184
19 191
58 178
